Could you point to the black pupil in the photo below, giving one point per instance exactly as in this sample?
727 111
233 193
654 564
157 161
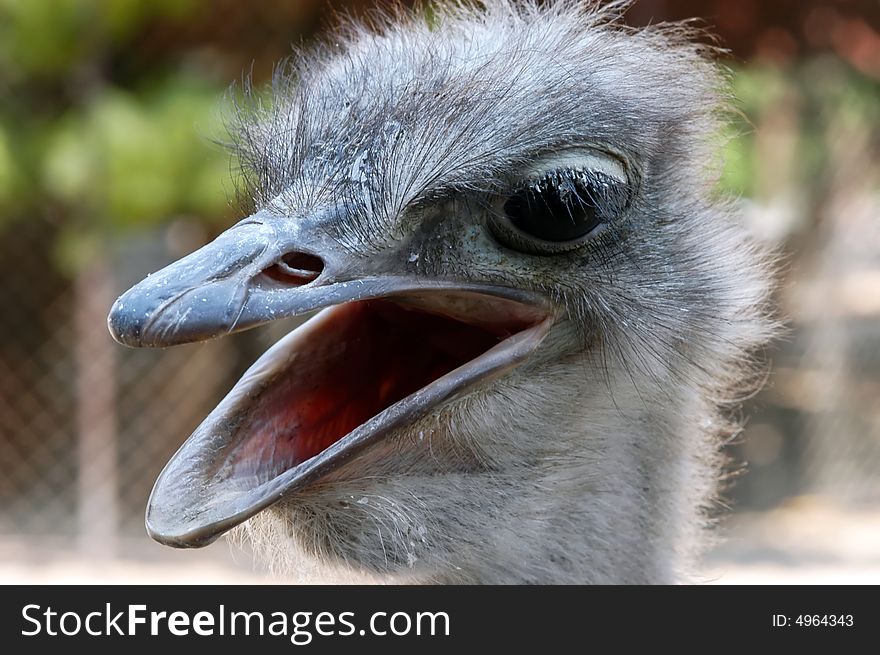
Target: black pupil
564 205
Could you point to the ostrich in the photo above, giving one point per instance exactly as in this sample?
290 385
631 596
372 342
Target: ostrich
535 311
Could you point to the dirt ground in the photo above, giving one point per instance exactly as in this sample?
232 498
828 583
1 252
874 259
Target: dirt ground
806 541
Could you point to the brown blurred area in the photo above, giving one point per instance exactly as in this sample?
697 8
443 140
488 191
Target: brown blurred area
782 31
108 170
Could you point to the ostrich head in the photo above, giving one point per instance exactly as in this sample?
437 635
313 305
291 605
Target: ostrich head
534 309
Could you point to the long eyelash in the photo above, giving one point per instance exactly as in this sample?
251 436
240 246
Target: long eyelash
570 178
604 192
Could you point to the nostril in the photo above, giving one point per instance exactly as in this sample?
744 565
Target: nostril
302 261
296 267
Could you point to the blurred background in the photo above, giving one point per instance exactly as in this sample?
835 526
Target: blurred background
109 169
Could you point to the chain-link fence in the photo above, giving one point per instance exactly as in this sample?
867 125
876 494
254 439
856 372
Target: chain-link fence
86 425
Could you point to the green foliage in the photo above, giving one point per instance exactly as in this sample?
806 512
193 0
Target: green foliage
806 103
93 150
48 37
100 135
738 172
127 160
7 169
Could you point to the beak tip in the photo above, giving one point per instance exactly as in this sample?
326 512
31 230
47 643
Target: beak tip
124 323
168 530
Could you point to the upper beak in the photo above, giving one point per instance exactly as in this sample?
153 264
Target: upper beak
228 284
262 269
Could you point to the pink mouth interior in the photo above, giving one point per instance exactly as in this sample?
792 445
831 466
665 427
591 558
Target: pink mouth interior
362 358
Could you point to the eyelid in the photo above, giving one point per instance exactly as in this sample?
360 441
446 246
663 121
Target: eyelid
592 160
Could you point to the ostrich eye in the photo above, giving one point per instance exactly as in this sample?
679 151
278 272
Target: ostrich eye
562 205
561 209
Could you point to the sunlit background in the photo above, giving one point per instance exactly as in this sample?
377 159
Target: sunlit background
109 169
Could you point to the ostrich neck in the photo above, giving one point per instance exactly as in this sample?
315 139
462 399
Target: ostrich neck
616 482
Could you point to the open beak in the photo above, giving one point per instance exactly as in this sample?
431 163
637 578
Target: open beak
390 347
